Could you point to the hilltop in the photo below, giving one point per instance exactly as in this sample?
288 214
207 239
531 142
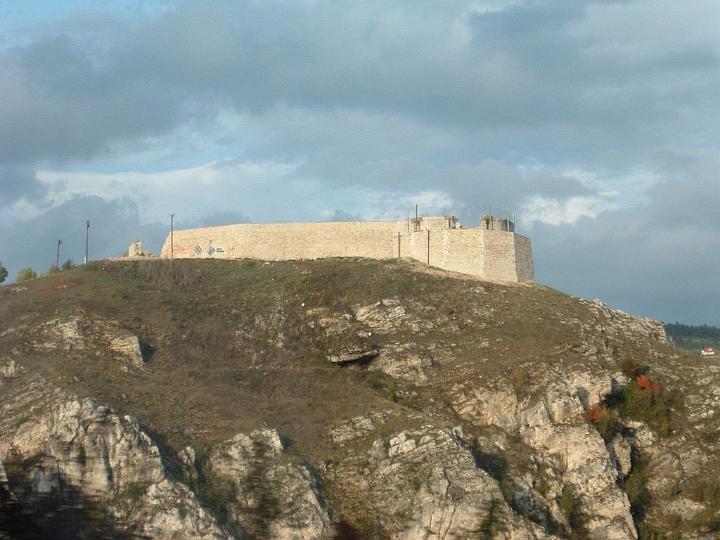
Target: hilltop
344 398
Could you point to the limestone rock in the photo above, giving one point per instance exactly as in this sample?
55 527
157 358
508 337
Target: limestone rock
89 447
80 333
354 428
7 497
552 424
168 510
404 362
331 323
382 316
275 496
354 355
61 334
81 447
10 369
188 461
615 322
426 484
128 347
621 454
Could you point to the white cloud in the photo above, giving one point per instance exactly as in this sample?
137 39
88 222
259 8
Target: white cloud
563 211
192 191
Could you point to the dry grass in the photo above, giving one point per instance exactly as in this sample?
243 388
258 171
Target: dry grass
233 347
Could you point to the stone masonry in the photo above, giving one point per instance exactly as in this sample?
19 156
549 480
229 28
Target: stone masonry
440 241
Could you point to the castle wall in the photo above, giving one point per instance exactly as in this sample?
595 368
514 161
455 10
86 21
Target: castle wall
524 259
489 254
287 241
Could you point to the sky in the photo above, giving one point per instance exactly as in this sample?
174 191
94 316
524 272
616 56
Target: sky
597 122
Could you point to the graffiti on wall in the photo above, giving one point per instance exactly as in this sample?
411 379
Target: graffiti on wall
211 250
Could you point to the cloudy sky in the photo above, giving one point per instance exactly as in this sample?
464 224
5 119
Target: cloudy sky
597 122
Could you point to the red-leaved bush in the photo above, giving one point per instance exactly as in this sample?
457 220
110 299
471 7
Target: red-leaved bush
644 382
596 413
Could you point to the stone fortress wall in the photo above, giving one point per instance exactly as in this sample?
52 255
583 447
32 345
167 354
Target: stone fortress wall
492 251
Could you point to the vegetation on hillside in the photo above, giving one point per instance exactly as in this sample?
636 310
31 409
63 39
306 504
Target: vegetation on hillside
232 346
26 274
693 337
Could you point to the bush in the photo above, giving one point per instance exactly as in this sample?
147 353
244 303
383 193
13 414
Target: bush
644 400
54 270
571 510
630 367
605 420
519 380
635 487
26 274
3 273
68 265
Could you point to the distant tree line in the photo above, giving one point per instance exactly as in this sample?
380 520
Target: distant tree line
678 330
28 273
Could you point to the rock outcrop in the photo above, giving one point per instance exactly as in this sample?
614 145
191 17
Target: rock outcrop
273 495
411 406
431 480
81 450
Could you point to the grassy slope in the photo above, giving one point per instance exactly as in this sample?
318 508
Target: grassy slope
233 348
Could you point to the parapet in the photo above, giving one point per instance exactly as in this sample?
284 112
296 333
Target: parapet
494 223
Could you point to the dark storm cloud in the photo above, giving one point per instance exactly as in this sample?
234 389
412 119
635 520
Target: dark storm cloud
71 95
18 183
223 218
59 103
114 224
660 260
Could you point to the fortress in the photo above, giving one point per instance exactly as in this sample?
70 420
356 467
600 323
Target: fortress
491 251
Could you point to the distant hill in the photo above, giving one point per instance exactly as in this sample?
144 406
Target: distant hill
693 337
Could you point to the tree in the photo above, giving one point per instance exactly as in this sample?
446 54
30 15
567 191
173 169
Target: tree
26 274
68 265
3 273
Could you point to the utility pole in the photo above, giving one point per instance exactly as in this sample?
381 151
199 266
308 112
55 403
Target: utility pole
87 239
57 256
428 247
172 239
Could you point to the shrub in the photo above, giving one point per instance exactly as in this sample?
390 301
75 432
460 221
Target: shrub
635 487
605 420
704 489
68 265
492 522
135 492
571 510
26 274
54 269
644 400
3 273
519 380
630 367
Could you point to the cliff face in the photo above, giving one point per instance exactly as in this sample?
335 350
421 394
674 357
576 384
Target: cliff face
343 399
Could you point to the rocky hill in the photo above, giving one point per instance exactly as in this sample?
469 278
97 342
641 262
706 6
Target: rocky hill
344 399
